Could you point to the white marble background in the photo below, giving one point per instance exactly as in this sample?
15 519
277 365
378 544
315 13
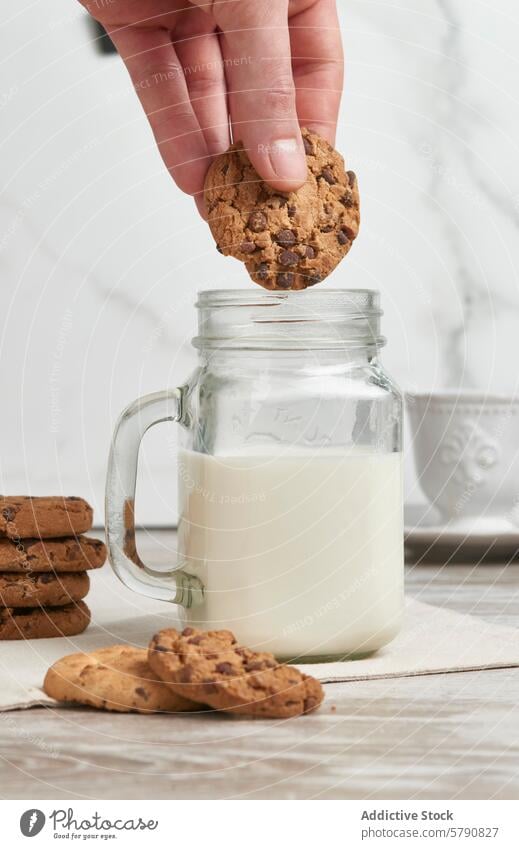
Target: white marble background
101 256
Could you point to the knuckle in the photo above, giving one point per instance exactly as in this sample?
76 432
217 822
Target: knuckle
171 120
203 85
154 75
280 97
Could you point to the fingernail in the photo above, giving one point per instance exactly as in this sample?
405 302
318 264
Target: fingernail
287 160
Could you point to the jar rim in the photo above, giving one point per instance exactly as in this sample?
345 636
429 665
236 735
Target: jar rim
266 319
365 300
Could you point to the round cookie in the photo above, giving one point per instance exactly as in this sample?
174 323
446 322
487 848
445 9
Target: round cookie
32 623
287 241
114 678
44 588
67 554
43 516
209 667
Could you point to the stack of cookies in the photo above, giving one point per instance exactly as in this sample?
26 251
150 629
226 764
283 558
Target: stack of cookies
44 559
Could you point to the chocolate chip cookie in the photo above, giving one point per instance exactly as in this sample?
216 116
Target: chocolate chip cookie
68 554
45 516
31 623
211 668
114 678
287 241
44 588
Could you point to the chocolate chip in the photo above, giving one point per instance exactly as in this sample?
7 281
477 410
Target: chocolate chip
286 238
257 221
9 513
46 578
187 632
309 252
285 279
225 668
313 279
309 704
262 271
195 641
348 232
327 228
254 666
342 238
158 647
247 247
288 258
140 691
259 665
291 211
186 674
218 248
309 148
352 178
327 174
347 201
328 208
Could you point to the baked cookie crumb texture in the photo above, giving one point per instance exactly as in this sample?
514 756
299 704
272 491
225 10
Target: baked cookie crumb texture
211 668
65 554
43 588
116 678
286 241
23 623
24 516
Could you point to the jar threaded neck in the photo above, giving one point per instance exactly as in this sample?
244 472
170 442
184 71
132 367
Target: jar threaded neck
333 318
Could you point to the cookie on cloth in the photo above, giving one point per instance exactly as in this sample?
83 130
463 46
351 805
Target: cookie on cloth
115 678
45 516
65 554
44 588
210 667
32 623
287 241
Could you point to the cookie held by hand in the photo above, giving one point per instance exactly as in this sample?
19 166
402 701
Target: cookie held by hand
287 241
116 678
211 668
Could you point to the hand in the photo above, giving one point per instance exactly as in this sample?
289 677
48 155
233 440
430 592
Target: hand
264 66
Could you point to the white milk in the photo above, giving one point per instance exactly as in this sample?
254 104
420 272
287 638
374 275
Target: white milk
299 554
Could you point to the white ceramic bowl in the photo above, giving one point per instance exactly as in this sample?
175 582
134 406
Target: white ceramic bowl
466 449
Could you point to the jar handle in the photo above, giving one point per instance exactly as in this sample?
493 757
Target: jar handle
176 585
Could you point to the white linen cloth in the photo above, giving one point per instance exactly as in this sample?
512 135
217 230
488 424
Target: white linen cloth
432 640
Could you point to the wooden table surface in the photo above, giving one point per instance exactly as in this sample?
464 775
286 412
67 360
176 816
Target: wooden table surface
452 736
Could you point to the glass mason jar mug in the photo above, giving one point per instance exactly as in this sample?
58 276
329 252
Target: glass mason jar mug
290 531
